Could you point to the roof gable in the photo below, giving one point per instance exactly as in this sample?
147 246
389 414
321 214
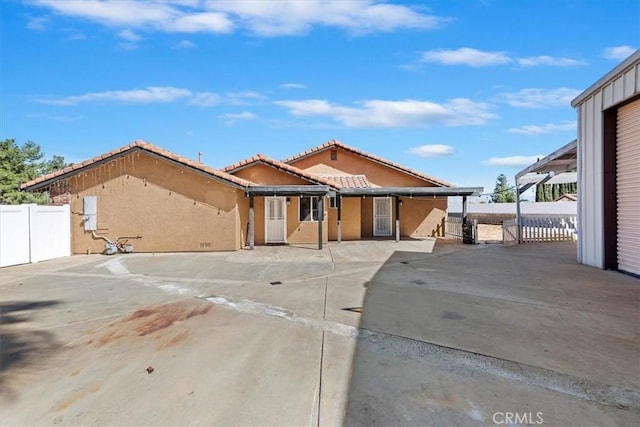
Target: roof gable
334 144
137 145
281 167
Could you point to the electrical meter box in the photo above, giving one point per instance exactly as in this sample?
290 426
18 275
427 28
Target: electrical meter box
90 213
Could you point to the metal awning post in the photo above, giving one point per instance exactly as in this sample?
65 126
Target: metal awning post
251 223
339 203
464 209
320 220
397 218
518 214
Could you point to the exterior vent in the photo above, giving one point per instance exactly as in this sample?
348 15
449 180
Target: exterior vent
334 154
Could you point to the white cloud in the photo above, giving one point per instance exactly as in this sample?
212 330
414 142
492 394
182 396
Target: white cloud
231 118
151 94
168 16
618 53
159 94
129 35
478 58
434 150
540 98
54 117
563 126
550 61
512 161
37 23
74 34
465 56
404 113
246 97
184 44
206 99
284 17
289 17
202 22
292 86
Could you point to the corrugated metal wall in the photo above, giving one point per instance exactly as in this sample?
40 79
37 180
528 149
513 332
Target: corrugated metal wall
618 89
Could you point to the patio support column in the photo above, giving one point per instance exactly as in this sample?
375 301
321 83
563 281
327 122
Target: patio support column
464 209
397 218
518 215
339 203
320 220
251 223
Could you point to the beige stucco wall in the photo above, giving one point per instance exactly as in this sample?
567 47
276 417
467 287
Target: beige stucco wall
350 220
348 162
418 217
305 232
298 232
422 217
172 208
366 217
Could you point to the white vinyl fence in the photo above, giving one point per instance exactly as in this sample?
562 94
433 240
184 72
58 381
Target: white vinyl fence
536 230
32 233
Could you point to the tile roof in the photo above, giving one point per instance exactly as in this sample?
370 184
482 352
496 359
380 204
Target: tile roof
135 146
260 158
569 196
350 181
337 144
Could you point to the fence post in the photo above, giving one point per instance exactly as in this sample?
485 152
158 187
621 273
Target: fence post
32 232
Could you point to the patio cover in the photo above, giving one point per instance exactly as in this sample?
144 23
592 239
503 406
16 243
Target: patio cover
559 167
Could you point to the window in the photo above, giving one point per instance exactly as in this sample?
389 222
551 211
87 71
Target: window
334 154
333 202
308 208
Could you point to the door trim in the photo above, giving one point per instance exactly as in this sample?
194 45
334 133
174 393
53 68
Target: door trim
375 233
283 200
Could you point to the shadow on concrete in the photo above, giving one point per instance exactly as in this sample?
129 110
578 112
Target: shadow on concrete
20 345
530 305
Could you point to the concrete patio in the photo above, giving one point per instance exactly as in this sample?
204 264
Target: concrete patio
411 333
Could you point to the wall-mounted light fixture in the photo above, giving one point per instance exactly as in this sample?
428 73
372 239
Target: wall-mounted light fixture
288 201
400 204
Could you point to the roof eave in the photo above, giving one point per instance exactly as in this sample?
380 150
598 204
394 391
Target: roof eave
131 150
289 190
413 191
537 166
603 81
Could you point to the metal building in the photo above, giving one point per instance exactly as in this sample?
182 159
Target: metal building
609 169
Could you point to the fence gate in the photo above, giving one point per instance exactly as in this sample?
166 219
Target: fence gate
32 233
509 232
453 227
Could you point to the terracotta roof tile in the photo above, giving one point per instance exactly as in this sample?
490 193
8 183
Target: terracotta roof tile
334 143
138 145
349 181
260 158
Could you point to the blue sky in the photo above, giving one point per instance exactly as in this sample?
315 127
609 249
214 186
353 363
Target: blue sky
461 90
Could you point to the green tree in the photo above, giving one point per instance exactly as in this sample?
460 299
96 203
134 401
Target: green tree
19 164
502 192
551 192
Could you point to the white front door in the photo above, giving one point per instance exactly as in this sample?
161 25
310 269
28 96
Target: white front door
382 216
275 219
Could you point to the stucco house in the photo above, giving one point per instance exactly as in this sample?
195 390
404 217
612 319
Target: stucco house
165 202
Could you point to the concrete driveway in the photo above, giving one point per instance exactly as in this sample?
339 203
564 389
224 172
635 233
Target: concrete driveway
376 332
